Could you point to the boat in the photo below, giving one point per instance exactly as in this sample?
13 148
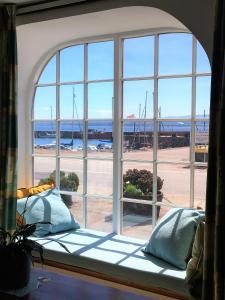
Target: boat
105 141
92 148
47 146
102 146
67 144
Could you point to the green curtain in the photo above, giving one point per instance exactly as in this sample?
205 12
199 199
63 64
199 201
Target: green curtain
8 117
214 256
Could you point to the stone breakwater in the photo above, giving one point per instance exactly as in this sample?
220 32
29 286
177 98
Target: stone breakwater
131 140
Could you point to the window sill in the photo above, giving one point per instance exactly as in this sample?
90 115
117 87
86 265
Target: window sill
116 258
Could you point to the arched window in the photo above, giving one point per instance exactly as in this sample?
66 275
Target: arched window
128 117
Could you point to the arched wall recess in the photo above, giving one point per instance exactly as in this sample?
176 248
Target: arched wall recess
38 41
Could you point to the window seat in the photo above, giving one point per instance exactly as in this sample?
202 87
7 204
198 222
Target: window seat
116 257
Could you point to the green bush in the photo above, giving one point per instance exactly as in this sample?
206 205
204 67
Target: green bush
68 182
138 184
131 190
142 180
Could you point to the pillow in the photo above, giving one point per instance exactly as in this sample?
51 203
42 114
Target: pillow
173 236
40 188
194 271
24 192
47 206
21 193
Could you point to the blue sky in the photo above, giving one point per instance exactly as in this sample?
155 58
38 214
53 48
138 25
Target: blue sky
174 95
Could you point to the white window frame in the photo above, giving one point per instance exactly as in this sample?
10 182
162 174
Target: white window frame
118 120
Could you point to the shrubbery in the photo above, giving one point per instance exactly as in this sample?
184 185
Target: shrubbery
68 182
138 184
141 180
131 190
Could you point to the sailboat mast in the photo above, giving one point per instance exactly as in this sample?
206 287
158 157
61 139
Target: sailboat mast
51 112
159 116
52 119
73 115
204 121
145 113
139 138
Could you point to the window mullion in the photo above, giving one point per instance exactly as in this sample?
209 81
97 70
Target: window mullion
57 118
117 131
193 121
32 138
155 134
85 135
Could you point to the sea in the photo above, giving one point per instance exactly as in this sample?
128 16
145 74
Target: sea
101 126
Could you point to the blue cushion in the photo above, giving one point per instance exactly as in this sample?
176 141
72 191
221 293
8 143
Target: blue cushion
47 206
173 236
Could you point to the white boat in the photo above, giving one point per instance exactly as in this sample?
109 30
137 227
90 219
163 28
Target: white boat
92 148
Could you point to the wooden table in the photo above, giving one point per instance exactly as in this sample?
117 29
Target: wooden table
57 286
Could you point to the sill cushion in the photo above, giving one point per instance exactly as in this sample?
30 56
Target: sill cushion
116 256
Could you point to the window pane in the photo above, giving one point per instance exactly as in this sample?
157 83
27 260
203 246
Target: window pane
48 74
100 138
174 141
163 210
100 177
45 103
71 101
137 220
138 57
176 184
138 99
71 138
138 140
72 64
203 87
203 65
200 187
100 100
99 214
72 175
44 137
202 126
201 141
175 53
100 60
43 167
174 98
138 181
75 205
